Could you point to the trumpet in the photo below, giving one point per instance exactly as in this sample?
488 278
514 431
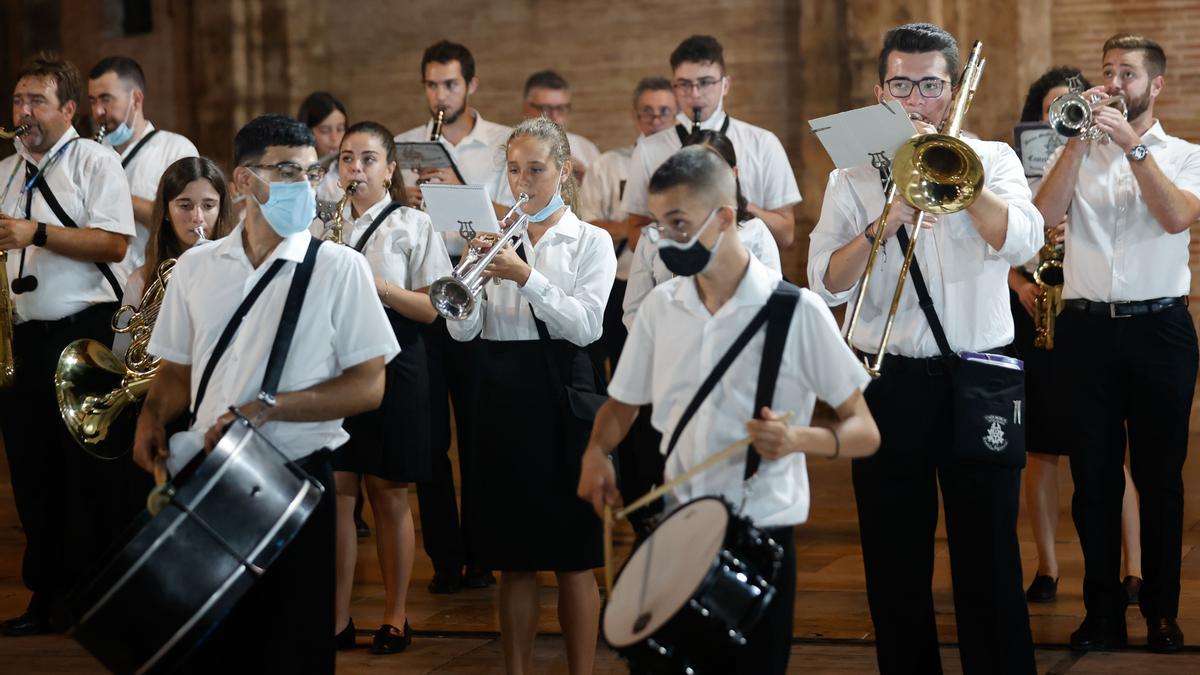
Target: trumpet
1072 114
437 126
337 226
1048 276
99 395
937 173
455 296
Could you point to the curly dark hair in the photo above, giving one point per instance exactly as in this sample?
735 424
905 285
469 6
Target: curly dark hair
1055 77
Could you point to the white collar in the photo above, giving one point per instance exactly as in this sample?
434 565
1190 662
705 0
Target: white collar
291 248
753 290
713 123
69 135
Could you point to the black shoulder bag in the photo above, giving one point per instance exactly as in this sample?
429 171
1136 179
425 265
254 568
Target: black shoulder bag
989 395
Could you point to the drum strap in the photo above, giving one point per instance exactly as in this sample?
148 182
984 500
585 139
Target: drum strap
288 323
777 314
243 309
366 236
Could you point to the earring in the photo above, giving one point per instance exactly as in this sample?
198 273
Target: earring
387 184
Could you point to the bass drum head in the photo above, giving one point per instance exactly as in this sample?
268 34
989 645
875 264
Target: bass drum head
665 571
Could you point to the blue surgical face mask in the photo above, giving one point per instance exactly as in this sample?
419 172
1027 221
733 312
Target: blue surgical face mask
691 258
123 133
556 202
290 208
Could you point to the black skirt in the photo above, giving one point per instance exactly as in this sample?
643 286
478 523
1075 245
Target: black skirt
529 452
1043 425
393 442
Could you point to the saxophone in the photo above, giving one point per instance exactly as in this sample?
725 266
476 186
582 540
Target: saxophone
1048 277
337 226
7 362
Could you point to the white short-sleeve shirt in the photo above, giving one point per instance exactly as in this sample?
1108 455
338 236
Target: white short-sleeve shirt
601 193
87 180
674 345
146 169
1116 250
764 172
582 150
341 325
573 270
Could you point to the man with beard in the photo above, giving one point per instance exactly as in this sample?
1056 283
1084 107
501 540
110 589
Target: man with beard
1126 348
477 146
65 221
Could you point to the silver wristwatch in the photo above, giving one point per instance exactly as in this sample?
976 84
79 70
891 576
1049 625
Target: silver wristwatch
1137 153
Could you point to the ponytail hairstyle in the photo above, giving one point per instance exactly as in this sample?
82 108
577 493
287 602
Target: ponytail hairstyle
555 140
381 134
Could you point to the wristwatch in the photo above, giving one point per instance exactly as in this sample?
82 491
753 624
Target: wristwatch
1137 153
39 237
868 236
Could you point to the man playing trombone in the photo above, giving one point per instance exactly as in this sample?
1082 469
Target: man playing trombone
964 258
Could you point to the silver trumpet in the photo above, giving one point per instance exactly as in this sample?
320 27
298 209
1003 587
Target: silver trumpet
1072 114
455 296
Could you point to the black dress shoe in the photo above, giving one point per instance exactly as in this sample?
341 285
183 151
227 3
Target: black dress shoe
445 583
1099 634
1133 588
345 639
1043 589
389 639
1163 635
477 577
29 623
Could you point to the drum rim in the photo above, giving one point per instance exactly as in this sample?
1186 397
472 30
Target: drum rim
728 509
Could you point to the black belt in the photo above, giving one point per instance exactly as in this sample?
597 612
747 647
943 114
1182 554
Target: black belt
1121 310
932 365
51 325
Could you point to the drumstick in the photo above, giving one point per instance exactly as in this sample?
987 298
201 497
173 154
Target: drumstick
608 550
158 497
663 489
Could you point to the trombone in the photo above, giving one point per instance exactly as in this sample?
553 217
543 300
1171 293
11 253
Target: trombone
455 296
937 173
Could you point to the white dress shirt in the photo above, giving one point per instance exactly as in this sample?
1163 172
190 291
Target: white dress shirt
89 184
600 196
404 250
765 175
1116 250
146 169
341 325
582 150
648 269
967 279
573 269
674 345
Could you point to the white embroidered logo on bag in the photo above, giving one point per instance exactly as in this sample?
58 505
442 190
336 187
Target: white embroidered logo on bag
994 439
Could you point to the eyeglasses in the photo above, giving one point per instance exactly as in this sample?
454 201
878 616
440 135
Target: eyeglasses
930 87
649 114
547 110
292 172
701 85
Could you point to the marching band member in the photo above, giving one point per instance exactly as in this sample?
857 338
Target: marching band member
547 94
389 446
687 324
192 205
334 369
556 285
477 146
1125 349
325 115
117 96
965 258
700 84
66 219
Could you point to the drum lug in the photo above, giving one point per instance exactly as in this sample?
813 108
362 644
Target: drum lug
737 637
698 608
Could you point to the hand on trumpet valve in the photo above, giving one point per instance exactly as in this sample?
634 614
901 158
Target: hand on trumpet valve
506 265
16 233
598 482
1110 120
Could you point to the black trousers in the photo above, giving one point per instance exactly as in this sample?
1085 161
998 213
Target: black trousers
1130 377
452 376
72 506
896 491
284 623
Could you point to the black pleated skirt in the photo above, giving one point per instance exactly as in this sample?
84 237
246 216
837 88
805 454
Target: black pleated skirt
393 441
529 450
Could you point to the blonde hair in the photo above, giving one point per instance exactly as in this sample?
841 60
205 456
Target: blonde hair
555 139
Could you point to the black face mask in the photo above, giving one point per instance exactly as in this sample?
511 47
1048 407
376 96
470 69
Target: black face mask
688 259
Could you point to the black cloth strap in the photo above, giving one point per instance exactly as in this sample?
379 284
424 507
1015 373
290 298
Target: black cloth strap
235 322
779 308
684 133
939 334
137 148
66 221
366 236
288 322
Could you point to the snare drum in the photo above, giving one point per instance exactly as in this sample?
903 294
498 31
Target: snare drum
692 591
224 525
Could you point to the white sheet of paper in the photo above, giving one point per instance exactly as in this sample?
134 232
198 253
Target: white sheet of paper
454 208
855 137
423 155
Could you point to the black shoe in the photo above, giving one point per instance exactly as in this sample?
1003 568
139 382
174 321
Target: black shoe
1043 589
1133 588
1099 634
477 577
360 526
29 623
345 639
389 639
1163 635
445 583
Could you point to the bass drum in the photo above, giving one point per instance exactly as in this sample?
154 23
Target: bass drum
166 589
692 591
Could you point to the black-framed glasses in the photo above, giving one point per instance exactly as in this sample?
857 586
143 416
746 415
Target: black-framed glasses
291 172
902 87
649 114
701 85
